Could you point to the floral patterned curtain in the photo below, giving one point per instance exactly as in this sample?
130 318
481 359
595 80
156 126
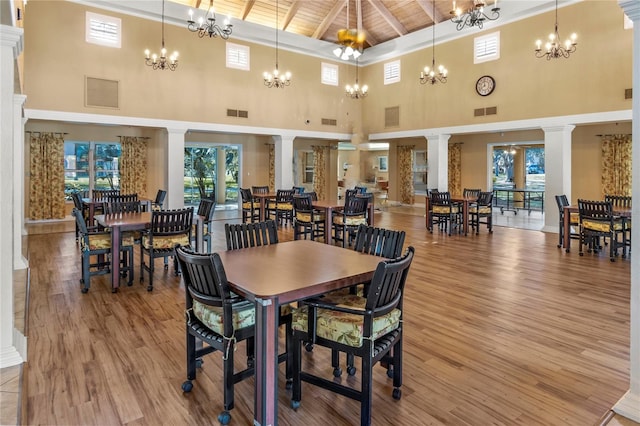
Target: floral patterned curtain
133 165
46 192
272 167
405 174
455 168
320 158
616 165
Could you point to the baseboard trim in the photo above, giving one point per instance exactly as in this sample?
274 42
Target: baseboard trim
629 406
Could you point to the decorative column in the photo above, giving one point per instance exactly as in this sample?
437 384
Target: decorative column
175 168
629 404
438 161
11 40
19 261
557 167
284 165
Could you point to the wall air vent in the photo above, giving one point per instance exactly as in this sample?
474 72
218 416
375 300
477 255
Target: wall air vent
243 114
392 116
329 122
101 93
232 112
478 112
491 110
628 93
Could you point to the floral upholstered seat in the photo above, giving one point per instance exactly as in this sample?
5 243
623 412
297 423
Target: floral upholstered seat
244 315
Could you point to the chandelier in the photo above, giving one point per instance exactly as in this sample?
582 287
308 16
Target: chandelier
350 42
553 48
207 26
433 75
276 79
161 62
474 16
355 91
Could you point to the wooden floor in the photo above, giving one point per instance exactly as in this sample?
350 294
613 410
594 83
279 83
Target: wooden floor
500 329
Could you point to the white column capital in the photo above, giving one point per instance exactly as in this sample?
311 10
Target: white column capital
441 137
19 100
631 9
176 131
563 128
12 37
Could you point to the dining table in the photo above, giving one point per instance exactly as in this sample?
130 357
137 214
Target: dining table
118 223
281 273
329 206
262 199
92 203
566 243
462 200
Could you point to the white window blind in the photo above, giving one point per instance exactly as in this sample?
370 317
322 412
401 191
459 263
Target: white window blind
392 72
486 48
238 56
329 74
103 30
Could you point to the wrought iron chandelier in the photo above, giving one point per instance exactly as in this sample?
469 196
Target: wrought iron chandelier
355 91
474 16
553 48
350 42
433 75
276 79
206 25
161 62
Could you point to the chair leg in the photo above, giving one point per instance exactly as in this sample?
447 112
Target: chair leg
367 389
296 392
224 416
86 277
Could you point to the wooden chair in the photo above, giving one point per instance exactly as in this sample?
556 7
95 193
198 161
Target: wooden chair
104 194
574 220
206 209
159 201
219 318
368 327
298 190
281 209
306 220
596 221
444 213
94 242
346 221
622 201
114 207
245 235
81 207
250 210
259 189
360 189
168 229
471 193
482 208
122 198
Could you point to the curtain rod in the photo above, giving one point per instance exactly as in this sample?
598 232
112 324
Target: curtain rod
616 134
39 132
139 137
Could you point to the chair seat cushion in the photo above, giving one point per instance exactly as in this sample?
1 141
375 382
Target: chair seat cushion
168 242
284 206
244 315
306 217
247 205
574 218
594 225
480 210
342 327
445 209
102 241
349 220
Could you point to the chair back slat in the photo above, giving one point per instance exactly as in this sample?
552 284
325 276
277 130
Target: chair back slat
595 210
101 194
354 205
122 198
113 207
485 198
562 202
618 200
172 222
379 242
202 279
440 198
387 285
244 235
302 203
82 225
284 195
260 189
471 193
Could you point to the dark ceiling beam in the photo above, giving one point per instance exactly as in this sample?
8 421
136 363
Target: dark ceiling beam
328 20
388 16
290 14
248 5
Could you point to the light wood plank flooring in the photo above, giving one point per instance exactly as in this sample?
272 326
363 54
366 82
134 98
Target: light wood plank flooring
500 329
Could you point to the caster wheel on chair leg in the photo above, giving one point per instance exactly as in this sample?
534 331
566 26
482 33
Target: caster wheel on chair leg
390 373
85 290
351 370
308 347
224 418
337 372
187 386
149 288
199 363
295 404
397 393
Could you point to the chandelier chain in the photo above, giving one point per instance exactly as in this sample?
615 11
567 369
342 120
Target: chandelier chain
553 48
276 79
161 62
433 75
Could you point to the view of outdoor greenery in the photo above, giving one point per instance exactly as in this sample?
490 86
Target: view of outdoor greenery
200 173
82 174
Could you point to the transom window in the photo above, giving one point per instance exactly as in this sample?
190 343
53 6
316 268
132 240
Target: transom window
103 30
329 74
238 56
486 48
392 72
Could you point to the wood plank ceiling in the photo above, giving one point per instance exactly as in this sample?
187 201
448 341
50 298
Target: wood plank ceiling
380 20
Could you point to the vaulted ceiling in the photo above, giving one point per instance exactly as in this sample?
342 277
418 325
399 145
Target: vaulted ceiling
379 20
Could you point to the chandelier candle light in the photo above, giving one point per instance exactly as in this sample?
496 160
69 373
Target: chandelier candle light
161 63
206 26
474 16
429 75
275 79
355 91
553 48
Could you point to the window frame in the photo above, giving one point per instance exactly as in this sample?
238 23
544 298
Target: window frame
480 43
104 19
324 67
238 65
389 76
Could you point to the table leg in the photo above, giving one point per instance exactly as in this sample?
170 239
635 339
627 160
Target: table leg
328 213
465 217
567 229
372 211
426 205
266 350
115 258
91 213
263 202
199 233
